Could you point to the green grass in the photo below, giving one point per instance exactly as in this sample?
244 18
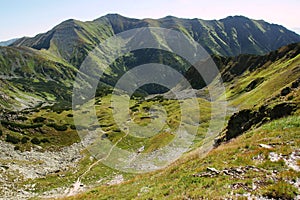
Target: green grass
177 181
285 123
45 123
55 127
139 112
280 190
276 77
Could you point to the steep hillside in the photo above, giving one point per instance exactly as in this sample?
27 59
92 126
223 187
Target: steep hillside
259 80
259 157
233 68
29 77
71 40
263 163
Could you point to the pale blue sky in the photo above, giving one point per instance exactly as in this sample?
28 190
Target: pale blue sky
29 17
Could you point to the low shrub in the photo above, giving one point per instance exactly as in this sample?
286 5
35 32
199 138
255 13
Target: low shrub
73 127
12 139
35 141
58 127
39 119
16 148
9 125
22 118
24 140
45 140
280 190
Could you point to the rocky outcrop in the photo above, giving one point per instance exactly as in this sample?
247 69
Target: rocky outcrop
254 84
235 172
243 120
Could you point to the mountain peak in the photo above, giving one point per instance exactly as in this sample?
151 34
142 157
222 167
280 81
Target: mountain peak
235 17
113 15
169 17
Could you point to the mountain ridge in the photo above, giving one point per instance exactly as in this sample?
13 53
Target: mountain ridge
230 36
63 49
8 42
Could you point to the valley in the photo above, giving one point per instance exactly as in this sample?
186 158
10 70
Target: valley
253 151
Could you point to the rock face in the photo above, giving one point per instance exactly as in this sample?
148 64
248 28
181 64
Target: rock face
240 122
254 84
281 110
243 120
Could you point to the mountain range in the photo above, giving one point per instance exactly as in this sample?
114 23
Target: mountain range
53 58
231 36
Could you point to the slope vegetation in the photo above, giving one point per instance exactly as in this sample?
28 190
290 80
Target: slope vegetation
261 160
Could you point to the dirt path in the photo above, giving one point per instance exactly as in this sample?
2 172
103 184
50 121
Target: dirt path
77 185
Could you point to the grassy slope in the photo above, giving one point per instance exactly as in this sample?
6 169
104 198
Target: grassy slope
56 127
33 76
22 124
277 76
177 181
